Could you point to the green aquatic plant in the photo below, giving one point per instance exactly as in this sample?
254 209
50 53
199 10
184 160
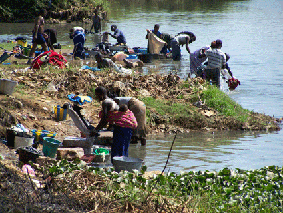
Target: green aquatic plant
227 190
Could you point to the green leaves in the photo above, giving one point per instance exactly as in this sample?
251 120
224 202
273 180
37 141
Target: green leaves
223 191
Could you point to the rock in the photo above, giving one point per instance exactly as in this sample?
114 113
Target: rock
42 160
69 153
144 93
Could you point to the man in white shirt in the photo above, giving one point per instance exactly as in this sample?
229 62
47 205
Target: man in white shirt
216 60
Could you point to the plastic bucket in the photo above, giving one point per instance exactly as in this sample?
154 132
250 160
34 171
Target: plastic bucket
132 57
50 146
101 151
40 134
23 141
127 163
28 153
7 86
102 155
61 113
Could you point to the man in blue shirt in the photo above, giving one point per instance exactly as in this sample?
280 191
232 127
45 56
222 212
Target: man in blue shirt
155 31
159 35
118 34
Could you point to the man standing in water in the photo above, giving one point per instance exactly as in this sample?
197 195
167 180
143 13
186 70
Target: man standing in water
216 60
38 34
96 22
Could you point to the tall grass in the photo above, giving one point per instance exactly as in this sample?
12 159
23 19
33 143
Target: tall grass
221 102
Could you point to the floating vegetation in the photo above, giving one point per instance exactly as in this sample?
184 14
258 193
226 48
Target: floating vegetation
228 190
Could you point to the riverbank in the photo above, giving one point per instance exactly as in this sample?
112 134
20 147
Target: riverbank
173 104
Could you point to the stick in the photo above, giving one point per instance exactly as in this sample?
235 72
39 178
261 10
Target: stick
162 170
169 154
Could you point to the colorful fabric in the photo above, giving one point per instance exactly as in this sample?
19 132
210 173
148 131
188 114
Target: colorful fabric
80 99
123 119
233 83
49 57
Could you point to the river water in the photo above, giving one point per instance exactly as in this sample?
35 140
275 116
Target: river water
252 34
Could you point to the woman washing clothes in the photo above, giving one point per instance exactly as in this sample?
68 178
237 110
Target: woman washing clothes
139 110
123 122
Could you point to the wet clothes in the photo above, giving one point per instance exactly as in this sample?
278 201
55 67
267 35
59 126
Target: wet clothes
105 62
155 44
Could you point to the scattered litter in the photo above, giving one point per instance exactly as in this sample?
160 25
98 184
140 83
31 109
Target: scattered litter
79 98
27 169
85 67
51 87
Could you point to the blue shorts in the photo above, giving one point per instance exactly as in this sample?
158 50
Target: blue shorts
39 40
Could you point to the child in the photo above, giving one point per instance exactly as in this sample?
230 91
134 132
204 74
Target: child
123 122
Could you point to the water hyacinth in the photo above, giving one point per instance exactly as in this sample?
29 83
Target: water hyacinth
223 191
